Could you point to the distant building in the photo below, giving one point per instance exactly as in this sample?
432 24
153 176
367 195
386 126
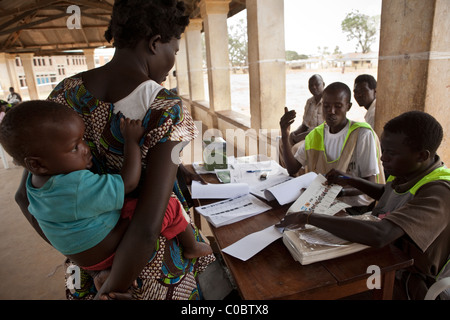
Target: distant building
355 60
358 60
48 71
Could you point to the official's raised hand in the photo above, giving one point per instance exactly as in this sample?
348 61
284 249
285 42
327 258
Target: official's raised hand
287 119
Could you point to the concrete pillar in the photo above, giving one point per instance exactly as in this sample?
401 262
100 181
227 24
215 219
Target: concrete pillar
181 68
214 14
90 58
8 75
195 60
11 66
414 64
267 64
30 76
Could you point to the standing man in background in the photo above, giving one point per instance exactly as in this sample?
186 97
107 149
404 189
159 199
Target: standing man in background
364 91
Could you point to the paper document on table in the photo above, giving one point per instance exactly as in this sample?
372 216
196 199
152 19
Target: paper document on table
321 237
218 191
259 188
250 172
319 197
232 210
290 190
250 245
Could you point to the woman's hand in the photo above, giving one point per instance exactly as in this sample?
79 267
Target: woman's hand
100 278
297 137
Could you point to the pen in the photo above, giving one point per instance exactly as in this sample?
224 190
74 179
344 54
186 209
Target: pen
251 171
344 177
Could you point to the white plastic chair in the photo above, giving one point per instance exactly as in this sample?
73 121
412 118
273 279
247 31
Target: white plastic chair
437 288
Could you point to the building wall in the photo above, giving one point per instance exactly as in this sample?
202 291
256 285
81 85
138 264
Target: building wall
48 70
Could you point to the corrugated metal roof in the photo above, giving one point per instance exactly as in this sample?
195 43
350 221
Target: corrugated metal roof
40 26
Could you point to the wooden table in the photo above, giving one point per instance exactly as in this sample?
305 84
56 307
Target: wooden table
274 274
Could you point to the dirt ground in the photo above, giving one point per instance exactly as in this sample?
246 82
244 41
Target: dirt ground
30 269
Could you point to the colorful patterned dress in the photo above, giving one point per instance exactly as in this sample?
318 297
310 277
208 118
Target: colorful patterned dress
168 275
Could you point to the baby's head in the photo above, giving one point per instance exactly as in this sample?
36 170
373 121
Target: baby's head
45 137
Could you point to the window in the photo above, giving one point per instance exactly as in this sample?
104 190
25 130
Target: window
22 82
61 70
45 79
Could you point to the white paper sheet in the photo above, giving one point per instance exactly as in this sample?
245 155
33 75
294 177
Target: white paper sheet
218 191
232 210
289 191
259 188
250 245
319 197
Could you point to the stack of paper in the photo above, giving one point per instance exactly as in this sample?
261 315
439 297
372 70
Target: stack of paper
313 244
232 210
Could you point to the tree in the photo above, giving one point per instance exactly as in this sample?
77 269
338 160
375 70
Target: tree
337 51
238 44
361 27
293 55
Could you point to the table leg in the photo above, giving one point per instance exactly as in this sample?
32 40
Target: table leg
387 287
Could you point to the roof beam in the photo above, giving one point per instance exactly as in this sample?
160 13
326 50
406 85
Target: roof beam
93 4
47 4
17 18
31 24
52 28
39 4
14 36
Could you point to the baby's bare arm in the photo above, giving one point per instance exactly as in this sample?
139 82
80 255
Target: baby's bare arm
132 131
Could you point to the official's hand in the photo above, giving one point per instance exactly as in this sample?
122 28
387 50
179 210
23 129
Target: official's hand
286 120
295 220
337 177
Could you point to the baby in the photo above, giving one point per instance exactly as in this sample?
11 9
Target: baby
82 214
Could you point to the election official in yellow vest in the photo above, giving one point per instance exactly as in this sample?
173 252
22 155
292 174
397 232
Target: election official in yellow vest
412 207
